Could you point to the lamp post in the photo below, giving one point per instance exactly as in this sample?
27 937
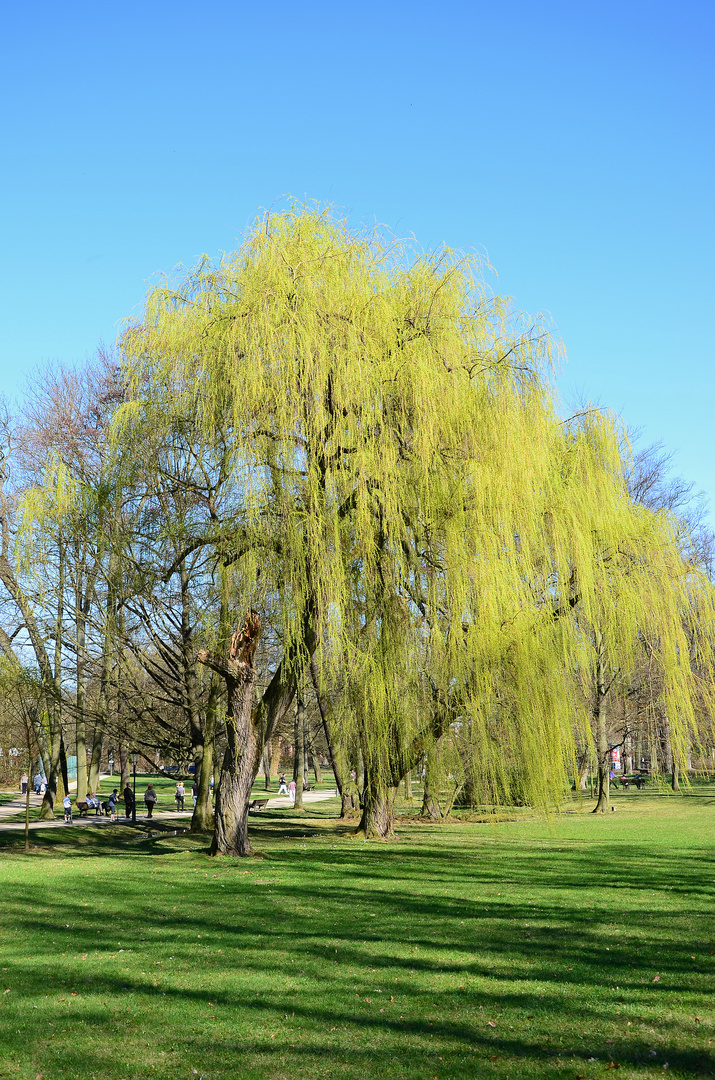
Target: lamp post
134 758
110 762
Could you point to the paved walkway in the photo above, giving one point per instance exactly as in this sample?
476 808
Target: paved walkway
17 806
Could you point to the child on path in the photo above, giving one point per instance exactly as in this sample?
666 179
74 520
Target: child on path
67 803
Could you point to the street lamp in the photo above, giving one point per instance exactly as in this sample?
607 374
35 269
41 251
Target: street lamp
110 762
134 758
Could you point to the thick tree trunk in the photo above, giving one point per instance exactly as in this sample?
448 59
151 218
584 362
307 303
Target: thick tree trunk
409 796
237 774
48 800
378 813
243 752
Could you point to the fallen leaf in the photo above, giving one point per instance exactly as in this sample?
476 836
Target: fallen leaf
490 1023
657 978
613 1065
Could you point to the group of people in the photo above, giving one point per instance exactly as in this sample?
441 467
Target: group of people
110 806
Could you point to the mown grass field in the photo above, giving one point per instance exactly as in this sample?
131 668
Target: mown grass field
530 948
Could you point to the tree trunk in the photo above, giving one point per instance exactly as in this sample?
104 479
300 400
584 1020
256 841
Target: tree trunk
236 780
267 766
80 725
602 748
275 755
63 766
409 796
203 816
299 753
378 810
95 765
581 779
48 801
243 752
430 799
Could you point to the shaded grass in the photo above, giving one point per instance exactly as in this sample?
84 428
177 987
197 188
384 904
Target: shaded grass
517 949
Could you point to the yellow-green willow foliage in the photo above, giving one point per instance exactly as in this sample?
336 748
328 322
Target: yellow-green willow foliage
404 485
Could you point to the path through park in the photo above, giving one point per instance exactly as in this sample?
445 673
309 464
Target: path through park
10 810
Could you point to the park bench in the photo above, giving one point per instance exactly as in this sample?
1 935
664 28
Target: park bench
256 805
626 781
84 809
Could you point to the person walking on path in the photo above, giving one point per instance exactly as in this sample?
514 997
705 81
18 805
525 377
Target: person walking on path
24 780
180 795
37 781
112 805
282 789
67 804
128 797
291 788
150 800
195 792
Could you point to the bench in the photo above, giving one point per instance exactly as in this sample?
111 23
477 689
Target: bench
256 805
626 781
84 808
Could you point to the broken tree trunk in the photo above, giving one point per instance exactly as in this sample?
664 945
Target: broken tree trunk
243 752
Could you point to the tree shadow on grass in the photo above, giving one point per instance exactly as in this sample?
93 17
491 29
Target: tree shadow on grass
403 918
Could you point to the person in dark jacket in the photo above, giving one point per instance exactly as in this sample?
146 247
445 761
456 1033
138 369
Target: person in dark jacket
128 797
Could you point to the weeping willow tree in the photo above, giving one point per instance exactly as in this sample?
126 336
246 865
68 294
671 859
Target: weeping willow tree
409 513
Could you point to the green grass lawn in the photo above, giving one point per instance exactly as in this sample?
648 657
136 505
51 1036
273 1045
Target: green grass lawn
530 948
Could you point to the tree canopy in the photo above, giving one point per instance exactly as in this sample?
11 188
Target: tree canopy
407 506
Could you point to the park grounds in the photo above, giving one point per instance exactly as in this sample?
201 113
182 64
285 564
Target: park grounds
497 944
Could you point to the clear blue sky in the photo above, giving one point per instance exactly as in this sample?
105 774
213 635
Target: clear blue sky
573 142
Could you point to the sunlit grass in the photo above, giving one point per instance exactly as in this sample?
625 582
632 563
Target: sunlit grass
518 949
